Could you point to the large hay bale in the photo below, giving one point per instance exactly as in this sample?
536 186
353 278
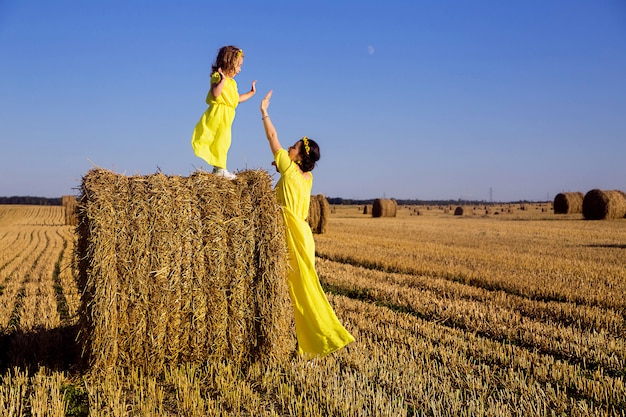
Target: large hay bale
383 207
70 205
319 210
182 269
568 203
464 211
600 205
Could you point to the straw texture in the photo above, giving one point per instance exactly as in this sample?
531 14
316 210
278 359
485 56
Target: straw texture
604 204
182 269
319 210
70 204
568 203
383 207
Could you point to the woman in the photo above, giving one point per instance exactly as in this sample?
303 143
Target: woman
318 330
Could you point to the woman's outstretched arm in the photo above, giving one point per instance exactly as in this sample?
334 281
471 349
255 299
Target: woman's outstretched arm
270 130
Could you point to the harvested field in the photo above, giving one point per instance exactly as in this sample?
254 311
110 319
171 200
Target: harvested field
519 314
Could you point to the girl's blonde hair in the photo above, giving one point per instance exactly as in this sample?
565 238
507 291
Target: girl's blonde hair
227 58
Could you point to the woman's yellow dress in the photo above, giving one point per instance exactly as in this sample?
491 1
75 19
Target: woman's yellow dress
318 330
212 135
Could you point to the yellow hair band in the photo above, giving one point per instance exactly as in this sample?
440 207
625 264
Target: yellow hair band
307 148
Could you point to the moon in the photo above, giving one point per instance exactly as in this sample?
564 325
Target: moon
370 49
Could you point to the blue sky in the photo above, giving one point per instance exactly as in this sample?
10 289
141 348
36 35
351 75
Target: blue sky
407 99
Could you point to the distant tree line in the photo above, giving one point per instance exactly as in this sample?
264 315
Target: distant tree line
29 200
409 202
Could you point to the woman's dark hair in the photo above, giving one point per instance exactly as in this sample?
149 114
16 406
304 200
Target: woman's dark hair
227 58
311 157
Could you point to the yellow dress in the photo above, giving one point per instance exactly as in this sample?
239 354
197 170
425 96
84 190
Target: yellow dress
212 135
318 330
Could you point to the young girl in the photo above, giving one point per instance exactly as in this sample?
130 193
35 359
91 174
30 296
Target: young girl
318 330
212 134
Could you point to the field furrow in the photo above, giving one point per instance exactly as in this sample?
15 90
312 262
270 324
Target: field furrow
14 278
19 245
39 307
494 317
404 349
515 257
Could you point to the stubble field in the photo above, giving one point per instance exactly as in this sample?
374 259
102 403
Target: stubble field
520 313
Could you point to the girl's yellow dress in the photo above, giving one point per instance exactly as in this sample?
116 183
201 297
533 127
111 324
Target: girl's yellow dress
212 135
318 330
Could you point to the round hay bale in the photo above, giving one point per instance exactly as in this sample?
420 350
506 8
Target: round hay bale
313 217
458 211
383 207
70 206
319 209
324 213
602 205
568 203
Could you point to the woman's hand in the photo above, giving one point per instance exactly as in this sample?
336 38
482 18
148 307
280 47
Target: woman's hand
265 103
270 130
